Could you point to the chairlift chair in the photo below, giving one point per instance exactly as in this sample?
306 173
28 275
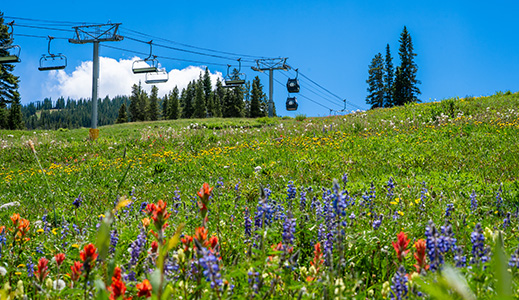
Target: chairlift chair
291 103
52 61
148 65
236 78
12 51
293 84
160 76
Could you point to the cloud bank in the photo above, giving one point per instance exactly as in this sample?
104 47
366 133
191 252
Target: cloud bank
115 78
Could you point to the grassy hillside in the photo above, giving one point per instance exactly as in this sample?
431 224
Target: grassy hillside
435 154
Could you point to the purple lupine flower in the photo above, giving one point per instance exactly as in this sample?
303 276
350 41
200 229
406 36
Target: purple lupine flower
423 197
460 259
254 281
219 182
177 201
64 232
247 224
264 214
506 221
390 188
377 222
399 288
447 240
473 202
514 259
499 200
114 239
479 252
46 228
211 269
2 241
448 210
137 246
289 229
345 179
302 203
30 267
143 206
291 193
77 202
435 246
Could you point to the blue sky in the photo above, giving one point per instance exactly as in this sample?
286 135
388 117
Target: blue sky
464 47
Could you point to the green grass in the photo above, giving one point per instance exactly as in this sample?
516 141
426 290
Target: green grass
449 148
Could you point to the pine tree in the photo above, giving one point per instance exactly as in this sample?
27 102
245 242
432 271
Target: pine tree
165 106
8 82
153 107
199 110
256 95
406 89
188 97
122 117
134 103
389 78
218 99
375 82
173 109
14 119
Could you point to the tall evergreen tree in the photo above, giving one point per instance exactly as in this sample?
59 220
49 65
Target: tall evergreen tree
15 119
255 99
389 78
144 104
406 89
8 82
134 102
122 117
218 98
165 106
153 107
199 109
187 100
375 82
173 109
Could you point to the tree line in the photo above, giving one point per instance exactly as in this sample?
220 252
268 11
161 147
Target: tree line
388 87
198 100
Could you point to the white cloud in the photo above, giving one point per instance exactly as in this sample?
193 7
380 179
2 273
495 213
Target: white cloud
115 78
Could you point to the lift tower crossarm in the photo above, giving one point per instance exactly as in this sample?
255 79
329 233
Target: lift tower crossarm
96 34
271 64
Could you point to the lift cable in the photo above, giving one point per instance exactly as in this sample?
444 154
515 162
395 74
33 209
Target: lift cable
39 36
41 27
48 21
184 50
309 99
190 46
166 57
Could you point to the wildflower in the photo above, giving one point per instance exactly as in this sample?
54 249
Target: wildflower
434 246
15 218
144 289
145 222
247 224
506 221
158 213
302 203
77 202
137 246
59 258
211 269
42 271
378 222
30 267
399 287
514 259
117 288
479 252
289 228
459 258
114 239
420 256
390 187
317 262
473 202
187 241
291 193
401 245
88 255
448 211
204 194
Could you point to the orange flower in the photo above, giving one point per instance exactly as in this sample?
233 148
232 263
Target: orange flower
158 213
88 255
15 218
144 289
117 288
213 241
201 235
146 222
401 245
204 194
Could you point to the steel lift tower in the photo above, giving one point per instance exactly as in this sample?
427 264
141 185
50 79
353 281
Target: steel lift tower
271 64
96 34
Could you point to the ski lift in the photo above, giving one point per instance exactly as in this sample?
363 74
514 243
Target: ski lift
148 65
293 84
12 51
160 76
52 61
291 103
236 78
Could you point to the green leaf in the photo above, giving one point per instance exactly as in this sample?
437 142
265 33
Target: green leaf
499 267
101 294
103 237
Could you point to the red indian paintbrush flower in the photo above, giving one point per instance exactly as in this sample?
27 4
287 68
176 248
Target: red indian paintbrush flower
317 261
15 218
401 245
117 288
158 213
420 246
75 271
42 271
88 255
144 289
60 257
204 194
